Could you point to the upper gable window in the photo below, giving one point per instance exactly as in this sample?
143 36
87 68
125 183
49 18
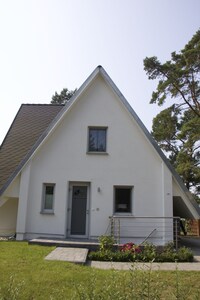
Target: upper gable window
97 139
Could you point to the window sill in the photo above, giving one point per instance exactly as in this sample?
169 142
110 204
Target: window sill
43 212
97 152
128 214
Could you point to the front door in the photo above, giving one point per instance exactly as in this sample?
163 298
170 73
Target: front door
78 211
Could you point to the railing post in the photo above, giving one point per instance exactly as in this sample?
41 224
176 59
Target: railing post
198 227
118 238
112 226
176 233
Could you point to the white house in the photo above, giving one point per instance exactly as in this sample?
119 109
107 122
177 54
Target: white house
73 171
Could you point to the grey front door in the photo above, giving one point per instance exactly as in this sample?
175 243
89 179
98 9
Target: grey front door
79 210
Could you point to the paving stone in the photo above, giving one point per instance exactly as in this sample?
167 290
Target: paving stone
75 255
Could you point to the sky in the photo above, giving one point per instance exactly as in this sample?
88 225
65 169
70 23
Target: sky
48 45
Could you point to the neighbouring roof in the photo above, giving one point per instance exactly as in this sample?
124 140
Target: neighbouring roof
28 125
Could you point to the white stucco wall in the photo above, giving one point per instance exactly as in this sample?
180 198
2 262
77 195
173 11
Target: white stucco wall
177 191
167 191
13 189
8 217
131 161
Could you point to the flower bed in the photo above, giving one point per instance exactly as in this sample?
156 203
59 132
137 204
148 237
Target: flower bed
131 252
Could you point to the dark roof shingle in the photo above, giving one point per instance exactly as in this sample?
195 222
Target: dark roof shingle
28 125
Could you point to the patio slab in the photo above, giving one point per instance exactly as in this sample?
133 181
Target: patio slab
74 255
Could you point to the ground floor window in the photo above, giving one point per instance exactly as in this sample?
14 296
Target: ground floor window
48 198
123 199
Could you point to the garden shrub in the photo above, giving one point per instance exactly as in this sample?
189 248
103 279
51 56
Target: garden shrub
148 252
184 255
168 254
108 255
106 243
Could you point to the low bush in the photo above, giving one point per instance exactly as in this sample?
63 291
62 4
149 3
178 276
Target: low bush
130 252
184 255
106 243
149 252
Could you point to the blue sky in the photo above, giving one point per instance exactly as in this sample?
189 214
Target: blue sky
47 45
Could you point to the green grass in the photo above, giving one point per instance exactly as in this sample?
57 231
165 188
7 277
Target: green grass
24 274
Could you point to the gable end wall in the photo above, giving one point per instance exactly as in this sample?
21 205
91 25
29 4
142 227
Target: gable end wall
131 160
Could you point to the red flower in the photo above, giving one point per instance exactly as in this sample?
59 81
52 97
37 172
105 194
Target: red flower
131 247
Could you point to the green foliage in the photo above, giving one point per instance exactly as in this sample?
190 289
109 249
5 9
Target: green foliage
168 254
148 253
13 290
129 285
177 128
63 97
118 256
165 126
184 255
137 284
106 243
179 137
179 77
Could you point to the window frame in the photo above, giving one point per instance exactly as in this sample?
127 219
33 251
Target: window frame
125 187
105 128
46 210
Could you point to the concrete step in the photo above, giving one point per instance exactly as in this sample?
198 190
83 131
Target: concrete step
92 245
74 255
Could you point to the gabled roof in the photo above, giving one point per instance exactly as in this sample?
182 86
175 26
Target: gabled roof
28 125
53 121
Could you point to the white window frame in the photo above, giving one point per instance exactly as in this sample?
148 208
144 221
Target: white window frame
125 187
88 140
46 210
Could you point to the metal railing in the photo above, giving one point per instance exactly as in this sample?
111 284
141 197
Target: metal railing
157 230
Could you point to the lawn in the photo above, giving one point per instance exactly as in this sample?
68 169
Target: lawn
24 274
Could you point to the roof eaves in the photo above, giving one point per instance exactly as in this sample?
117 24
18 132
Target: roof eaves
49 129
23 161
11 126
